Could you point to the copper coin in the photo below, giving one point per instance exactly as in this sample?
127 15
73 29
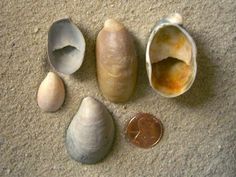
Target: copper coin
144 130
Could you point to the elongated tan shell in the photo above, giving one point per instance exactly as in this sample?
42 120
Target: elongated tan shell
116 62
51 93
66 46
171 57
90 134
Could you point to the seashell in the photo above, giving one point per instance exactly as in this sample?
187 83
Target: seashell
171 57
90 134
116 62
51 93
66 46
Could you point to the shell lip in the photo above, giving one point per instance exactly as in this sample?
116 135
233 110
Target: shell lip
164 23
50 50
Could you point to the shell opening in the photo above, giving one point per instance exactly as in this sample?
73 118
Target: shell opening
66 59
170 55
170 76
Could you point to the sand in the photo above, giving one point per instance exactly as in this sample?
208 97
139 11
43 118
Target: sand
200 126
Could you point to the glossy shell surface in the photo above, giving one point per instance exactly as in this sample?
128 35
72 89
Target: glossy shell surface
51 93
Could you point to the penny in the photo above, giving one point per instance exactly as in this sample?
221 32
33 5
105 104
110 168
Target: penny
144 130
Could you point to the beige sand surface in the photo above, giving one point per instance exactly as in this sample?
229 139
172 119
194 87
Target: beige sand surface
200 126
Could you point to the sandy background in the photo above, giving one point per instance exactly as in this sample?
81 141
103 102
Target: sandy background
200 126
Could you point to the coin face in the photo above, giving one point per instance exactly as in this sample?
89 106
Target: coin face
144 130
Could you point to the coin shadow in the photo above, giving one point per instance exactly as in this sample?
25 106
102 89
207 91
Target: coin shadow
202 89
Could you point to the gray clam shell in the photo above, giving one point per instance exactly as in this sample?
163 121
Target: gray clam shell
66 46
90 134
171 20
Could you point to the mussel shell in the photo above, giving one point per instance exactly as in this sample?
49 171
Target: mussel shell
174 20
66 46
90 134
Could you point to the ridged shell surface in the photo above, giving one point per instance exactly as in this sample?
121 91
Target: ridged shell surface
90 134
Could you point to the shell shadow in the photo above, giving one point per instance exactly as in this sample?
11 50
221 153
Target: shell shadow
113 148
87 69
142 82
45 63
202 89
46 67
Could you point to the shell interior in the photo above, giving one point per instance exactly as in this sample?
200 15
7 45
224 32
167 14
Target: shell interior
66 46
171 58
